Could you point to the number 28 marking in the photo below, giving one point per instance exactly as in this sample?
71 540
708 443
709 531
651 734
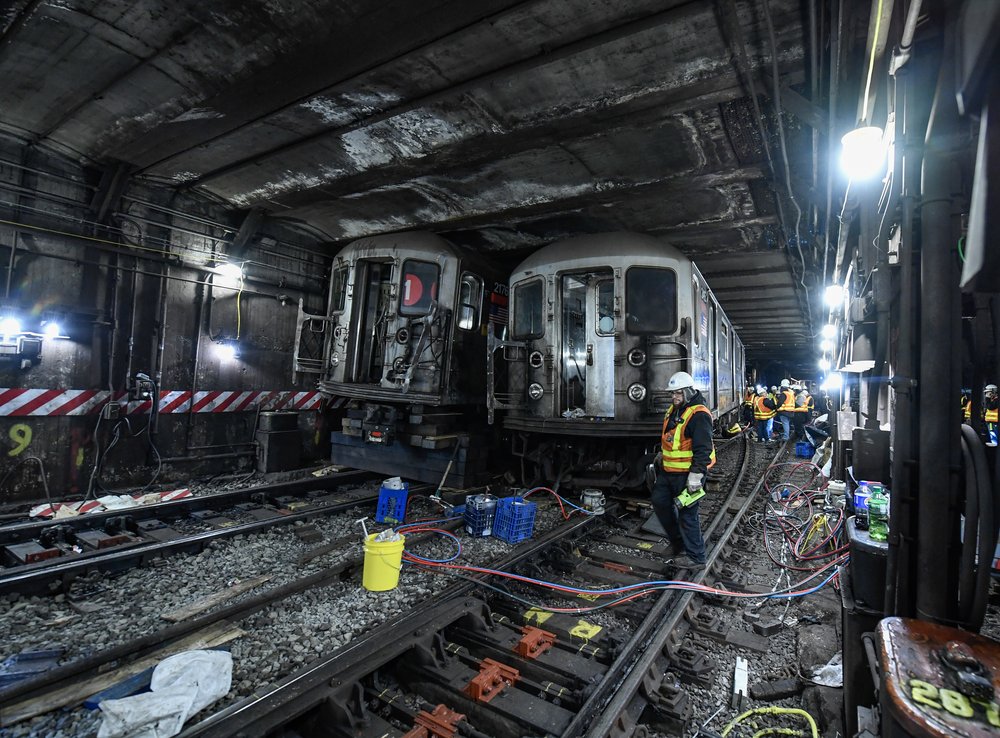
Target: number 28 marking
955 703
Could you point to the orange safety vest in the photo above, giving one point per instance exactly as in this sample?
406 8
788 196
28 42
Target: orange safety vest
748 397
788 403
990 416
967 410
675 446
760 410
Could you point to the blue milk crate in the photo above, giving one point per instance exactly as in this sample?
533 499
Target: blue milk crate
392 505
480 515
804 450
515 519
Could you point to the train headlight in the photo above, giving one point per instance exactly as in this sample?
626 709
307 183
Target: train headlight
334 360
636 392
535 391
636 357
535 359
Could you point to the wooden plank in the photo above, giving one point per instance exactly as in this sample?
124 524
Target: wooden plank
76 693
209 601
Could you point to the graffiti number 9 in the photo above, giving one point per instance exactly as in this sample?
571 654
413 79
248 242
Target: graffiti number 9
20 434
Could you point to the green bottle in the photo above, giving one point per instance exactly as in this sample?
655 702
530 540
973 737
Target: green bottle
878 515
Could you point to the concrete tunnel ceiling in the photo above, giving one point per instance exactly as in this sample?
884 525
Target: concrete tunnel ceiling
502 125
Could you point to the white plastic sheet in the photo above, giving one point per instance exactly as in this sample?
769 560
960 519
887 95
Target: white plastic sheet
182 685
832 674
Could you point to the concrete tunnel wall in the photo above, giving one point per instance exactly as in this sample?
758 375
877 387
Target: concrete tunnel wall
91 286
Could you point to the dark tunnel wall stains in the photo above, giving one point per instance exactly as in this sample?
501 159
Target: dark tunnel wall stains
504 124
108 299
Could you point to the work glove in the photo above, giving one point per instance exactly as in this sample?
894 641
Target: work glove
695 481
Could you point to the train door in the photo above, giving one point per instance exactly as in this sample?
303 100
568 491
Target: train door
373 299
588 344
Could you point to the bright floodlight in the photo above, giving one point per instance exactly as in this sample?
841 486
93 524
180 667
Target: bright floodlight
833 381
53 329
228 275
862 155
826 345
829 331
10 326
824 364
226 351
834 296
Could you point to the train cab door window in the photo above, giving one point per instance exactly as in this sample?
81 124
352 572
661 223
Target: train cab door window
370 309
528 309
588 344
418 287
651 300
470 302
338 289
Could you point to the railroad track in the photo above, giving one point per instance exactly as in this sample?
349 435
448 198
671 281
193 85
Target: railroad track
548 668
47 556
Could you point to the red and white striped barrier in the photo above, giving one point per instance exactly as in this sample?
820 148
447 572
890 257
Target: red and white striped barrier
21 402
112 502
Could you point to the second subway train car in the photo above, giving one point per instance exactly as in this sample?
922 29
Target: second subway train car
597 326
401 354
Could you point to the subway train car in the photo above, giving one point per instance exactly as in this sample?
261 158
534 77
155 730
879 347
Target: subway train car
401 355
597 326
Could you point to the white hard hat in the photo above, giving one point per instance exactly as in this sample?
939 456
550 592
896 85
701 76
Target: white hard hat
773 388
681 380
784 383
990 388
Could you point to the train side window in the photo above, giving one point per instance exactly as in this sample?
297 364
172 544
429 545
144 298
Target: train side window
651 300
418 287
470 302
338 290
724 343
606 307
528 309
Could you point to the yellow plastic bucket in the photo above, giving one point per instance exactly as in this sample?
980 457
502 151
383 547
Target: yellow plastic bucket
382 563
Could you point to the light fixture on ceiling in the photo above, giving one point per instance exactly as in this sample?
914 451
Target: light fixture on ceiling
834 296
862 154
228 276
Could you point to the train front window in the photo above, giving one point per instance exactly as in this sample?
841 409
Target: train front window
470 302
528 309
651 300
418 287
338 290
606 307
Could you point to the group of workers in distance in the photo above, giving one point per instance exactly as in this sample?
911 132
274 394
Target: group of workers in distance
791 404
990 412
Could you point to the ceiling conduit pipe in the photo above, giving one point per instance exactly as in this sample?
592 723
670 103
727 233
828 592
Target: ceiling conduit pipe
905 50
937 530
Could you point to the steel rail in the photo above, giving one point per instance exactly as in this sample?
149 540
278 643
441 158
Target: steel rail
293 696
43 575
29 530
137 647
664 618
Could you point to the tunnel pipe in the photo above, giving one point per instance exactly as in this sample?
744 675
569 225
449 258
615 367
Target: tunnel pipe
899 572
937 525
981 497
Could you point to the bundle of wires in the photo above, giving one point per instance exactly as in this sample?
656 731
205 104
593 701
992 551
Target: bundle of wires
614 595
802 534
